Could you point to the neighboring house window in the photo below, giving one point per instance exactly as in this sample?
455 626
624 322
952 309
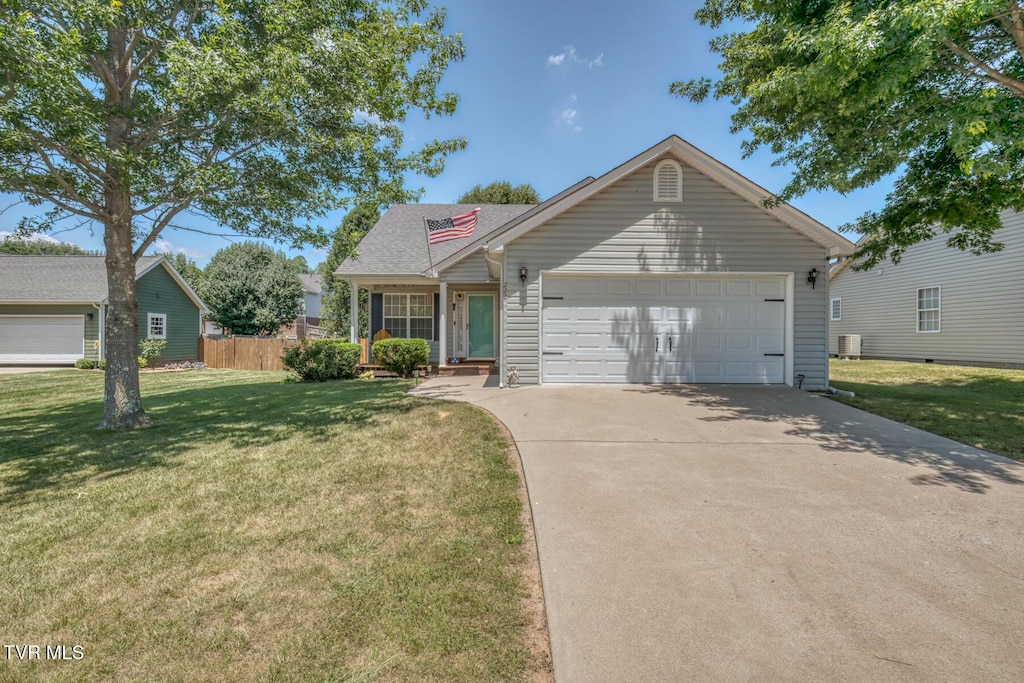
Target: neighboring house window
409 315
668 182
837 309
929 302
157 326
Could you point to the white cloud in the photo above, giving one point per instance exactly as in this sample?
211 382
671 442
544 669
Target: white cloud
165 247
362 115
31 237
568 119
569 56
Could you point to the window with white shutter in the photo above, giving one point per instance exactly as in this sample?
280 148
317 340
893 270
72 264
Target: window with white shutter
668 182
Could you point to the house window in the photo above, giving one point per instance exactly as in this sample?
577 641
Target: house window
668 182
837 309
929 302
409 315
157 326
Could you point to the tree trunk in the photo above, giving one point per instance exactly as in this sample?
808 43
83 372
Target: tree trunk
122 398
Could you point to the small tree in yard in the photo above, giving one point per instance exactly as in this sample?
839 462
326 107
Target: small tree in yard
252 289
260 116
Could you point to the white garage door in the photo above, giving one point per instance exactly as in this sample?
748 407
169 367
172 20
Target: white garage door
41 339
654 330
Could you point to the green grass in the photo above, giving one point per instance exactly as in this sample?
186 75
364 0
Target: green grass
261 531
982 407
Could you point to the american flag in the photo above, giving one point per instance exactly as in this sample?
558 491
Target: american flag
452 228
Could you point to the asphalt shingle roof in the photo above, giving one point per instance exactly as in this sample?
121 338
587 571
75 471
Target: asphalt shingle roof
57 278
397 244
313 284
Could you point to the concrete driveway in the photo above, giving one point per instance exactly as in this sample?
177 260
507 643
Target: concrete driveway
762 533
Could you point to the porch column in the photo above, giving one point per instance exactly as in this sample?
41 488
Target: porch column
353 312
443 322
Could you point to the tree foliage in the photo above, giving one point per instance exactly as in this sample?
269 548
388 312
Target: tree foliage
500 192
251 289
852 92
187 268
334 301
29 247
262 116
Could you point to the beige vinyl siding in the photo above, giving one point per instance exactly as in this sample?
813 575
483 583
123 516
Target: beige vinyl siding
982 309
622 230
471 269
160 293
90 328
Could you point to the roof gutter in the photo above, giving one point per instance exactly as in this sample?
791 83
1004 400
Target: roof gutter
493 257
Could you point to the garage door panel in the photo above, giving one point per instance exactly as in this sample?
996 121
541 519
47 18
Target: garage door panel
41 339
622 329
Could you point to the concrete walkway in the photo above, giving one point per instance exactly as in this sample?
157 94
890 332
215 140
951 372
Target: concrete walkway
762 533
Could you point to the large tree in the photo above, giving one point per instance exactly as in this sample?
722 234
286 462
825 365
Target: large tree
262 116
852 92
187 268
334 301
500 192
251 289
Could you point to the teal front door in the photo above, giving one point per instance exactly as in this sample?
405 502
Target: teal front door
481 326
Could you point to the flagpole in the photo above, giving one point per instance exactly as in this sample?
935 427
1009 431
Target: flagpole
426 233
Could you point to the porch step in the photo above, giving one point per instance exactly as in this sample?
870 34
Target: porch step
464 369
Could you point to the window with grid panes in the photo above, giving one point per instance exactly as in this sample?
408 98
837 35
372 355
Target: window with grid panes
409 316
928 309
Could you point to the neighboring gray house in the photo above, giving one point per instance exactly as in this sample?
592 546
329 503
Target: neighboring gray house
938 303
52 309
666 269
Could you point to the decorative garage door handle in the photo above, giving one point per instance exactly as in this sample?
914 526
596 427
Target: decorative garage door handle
775 354
670 344
656 340
554 353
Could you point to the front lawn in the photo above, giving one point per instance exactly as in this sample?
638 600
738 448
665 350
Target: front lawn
982 407
261 531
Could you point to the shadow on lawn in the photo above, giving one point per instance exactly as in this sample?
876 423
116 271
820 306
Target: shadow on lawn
840 428
63 447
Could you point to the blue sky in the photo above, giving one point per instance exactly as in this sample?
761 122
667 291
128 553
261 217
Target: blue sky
551 92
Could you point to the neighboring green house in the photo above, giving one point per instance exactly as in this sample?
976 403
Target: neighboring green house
52 309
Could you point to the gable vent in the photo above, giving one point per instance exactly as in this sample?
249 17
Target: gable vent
668 182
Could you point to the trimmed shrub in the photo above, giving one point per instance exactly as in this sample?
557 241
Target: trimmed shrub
102 365
322 360
83 364
401 356
150 350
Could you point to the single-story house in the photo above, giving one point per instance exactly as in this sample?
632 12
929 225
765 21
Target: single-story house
667 269
937 304
52 309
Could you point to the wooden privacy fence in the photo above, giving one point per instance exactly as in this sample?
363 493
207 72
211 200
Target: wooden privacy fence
252 353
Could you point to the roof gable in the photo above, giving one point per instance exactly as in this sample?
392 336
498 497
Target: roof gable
677 148
69 279
397 244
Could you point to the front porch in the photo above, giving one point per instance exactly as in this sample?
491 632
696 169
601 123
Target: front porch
462 333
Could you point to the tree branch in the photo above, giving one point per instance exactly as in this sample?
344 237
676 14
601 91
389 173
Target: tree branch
990 74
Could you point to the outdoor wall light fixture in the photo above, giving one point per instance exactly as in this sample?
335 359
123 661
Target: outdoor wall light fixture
522 274
812 277
88 316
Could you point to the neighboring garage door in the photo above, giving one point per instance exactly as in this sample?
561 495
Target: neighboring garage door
668 329
41 338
